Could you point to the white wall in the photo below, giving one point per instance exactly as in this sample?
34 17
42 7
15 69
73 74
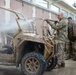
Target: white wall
62 7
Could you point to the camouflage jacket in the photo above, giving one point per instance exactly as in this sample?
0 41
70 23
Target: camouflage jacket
61 28
72 23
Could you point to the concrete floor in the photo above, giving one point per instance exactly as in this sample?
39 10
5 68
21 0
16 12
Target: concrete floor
70 69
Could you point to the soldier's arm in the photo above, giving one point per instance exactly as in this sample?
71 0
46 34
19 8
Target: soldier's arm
59 26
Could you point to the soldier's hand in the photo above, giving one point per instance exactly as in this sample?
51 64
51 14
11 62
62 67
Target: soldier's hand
55 22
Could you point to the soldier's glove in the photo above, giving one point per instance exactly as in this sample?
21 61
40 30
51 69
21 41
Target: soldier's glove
55 22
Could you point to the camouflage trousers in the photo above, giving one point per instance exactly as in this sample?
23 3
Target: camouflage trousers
61 54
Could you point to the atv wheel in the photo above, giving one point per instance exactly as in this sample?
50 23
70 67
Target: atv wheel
33 64
52 63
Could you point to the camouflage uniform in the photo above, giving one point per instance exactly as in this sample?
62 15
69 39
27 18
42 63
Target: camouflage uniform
61 38
69 43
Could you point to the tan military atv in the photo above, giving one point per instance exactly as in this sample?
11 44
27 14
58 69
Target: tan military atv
35 54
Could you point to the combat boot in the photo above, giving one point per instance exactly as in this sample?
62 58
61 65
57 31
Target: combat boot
62 64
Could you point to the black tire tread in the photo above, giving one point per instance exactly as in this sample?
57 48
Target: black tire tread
39 57
53 64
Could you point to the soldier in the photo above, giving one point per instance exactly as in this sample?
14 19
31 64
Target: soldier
70 21
70 51
61 29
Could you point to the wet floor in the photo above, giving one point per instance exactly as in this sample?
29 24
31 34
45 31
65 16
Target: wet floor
4 70
70 69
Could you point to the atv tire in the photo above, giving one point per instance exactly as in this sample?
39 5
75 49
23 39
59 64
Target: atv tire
52 63
33 64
